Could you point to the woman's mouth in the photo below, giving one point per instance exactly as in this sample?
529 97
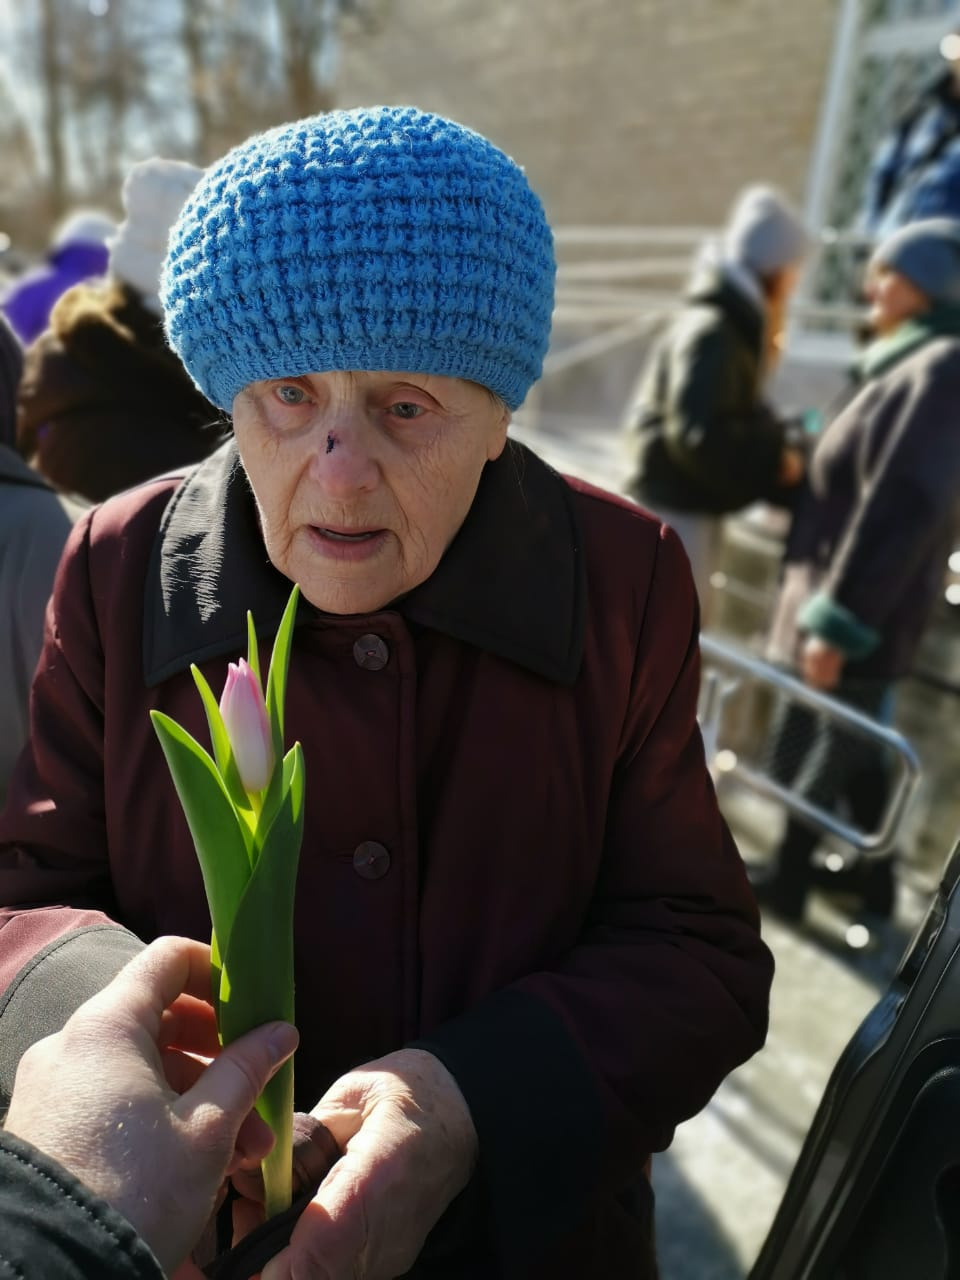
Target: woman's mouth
341 535
347 544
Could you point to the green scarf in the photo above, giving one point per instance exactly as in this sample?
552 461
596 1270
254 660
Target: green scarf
941 321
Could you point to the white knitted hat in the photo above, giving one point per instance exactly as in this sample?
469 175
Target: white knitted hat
153 195
83 226
764 232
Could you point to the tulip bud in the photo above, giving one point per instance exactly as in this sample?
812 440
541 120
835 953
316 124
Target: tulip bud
248 728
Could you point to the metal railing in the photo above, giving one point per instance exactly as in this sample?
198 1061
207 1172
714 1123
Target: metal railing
605 272
725 669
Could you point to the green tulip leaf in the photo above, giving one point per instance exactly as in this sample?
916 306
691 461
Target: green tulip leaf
263 921
257 982
279 785
219 836
277 676
253 648
216 974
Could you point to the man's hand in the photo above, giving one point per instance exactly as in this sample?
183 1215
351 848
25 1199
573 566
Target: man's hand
120 1100
409 1146
822 664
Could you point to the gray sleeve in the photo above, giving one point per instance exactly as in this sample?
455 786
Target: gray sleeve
55 982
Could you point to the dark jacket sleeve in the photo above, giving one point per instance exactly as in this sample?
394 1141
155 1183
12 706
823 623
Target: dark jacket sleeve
53 1228
907 501
56 794
716 428
575 1074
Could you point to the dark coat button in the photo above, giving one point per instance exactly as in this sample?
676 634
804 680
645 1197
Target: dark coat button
371 653
371 860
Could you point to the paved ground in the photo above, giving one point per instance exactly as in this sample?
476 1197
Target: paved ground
719 1185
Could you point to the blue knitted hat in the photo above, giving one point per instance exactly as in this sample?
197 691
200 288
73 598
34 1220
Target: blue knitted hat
378 238
927 253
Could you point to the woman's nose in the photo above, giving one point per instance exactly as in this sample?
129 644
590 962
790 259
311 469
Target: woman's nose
343 460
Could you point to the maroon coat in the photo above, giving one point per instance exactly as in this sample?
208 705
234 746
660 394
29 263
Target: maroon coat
513 854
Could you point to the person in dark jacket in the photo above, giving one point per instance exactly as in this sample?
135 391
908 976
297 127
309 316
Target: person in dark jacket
915 170
703 439
78 251
34 524
866 555
525 944
119 1181
104 403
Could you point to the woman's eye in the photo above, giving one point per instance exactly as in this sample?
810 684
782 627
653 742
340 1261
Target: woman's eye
290 394
406 409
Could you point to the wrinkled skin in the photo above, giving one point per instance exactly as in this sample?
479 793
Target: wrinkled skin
362 480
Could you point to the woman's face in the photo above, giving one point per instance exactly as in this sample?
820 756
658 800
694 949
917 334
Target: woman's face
893 299
363 479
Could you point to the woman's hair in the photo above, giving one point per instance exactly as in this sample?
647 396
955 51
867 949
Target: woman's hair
378 238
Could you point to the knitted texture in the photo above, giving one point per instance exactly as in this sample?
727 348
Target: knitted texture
382 238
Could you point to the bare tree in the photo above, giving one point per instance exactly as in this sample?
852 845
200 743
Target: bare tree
310 47
304 28
121 79
53 116
196 52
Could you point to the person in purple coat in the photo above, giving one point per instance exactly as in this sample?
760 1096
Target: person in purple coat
78 251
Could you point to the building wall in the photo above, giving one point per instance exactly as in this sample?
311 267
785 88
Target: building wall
622 111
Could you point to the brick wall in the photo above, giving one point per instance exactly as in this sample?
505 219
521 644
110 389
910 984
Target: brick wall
622 111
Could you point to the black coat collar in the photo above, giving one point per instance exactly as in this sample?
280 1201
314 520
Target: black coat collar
512 582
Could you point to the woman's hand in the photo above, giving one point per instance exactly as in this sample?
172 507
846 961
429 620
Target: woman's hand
409 1146
822 664
118 1099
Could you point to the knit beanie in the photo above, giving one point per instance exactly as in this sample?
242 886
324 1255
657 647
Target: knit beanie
927 253
11 368
153 194
382 238
83 226
764 233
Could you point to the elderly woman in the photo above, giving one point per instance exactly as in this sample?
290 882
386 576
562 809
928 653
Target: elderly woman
525 944
867 552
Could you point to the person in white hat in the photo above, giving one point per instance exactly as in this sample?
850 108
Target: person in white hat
703 440
104 402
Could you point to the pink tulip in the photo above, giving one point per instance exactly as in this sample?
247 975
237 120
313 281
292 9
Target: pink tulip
245 717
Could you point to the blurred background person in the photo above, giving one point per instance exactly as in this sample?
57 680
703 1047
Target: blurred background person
104 403
78 251
915 170
703 440
865 557
34 523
